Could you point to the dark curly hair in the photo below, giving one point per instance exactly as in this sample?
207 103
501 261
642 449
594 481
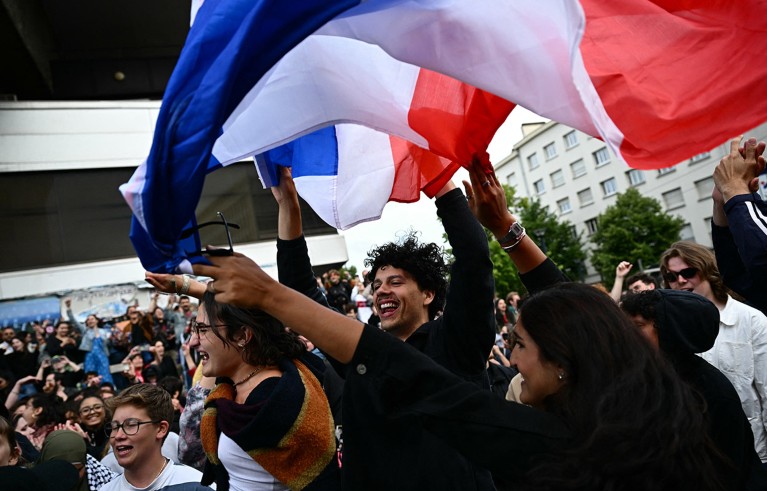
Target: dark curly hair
270 341
636 424
424 262
642 303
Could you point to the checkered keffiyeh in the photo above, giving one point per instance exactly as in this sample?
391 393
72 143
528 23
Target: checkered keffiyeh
98 473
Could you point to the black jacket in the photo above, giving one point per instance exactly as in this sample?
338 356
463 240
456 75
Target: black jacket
398 453
687 324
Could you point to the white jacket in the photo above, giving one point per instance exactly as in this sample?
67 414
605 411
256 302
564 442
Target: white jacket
740 353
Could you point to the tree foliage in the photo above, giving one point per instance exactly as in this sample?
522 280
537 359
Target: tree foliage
556 237
634 228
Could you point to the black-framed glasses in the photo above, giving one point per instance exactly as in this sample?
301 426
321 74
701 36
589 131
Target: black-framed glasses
200 328
130 426
89 409
212 252
686 273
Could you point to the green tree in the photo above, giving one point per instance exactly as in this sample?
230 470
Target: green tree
634 228
556 237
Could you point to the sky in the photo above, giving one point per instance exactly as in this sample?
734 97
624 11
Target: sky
399 218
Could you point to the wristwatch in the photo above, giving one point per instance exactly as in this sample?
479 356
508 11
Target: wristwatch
513 238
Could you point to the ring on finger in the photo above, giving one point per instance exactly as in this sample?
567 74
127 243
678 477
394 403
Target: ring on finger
211 288
485 184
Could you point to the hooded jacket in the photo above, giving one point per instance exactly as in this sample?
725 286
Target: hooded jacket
687 324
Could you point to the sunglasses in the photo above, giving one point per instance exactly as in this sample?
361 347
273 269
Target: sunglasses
673 276
212 252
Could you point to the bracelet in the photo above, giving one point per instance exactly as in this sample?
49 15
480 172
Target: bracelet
510 247
185 286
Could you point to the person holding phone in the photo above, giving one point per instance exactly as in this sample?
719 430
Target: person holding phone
95 343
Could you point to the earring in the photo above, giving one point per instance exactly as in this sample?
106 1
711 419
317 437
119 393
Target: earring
561 376
241 345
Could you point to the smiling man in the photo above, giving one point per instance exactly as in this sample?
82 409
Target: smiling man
410 292
141 416
740 350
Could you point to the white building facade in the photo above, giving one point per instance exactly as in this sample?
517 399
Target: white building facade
577 177
65 224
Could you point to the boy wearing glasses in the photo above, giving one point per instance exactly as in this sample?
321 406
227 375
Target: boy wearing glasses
141 416
740 349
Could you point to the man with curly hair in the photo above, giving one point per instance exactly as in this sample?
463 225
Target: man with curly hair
410 291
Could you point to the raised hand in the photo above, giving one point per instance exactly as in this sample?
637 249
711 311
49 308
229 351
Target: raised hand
623 269
738 172
487 199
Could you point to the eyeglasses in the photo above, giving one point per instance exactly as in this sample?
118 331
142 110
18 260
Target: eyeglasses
201 329
686 273
130 426
89 409
211 252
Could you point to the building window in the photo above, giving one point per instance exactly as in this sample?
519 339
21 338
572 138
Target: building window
636 177
573 231
540 188
609 187
602 157
564 206
704 187
511 180
591 226
532 161
667 170
585 197
708 221
571 140
686 233
700 157
673 198
578 168
550 150
557 178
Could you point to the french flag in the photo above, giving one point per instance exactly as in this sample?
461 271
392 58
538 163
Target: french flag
390 96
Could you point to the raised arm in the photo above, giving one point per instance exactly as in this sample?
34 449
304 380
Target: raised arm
487 201
621 271
71 316
241 282
739 224
174 283
468 324
294 267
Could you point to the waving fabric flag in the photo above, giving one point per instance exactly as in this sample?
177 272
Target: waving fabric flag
230 46
654 79
429 121
658 80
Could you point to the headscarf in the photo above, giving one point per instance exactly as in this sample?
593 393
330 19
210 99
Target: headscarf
66 445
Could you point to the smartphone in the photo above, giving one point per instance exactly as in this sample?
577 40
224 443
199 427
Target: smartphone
119 368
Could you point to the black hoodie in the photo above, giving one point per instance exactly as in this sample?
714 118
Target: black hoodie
687 324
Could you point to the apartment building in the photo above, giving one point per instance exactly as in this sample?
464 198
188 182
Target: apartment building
577 177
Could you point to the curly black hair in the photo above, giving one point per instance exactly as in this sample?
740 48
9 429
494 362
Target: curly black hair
424 262
642 303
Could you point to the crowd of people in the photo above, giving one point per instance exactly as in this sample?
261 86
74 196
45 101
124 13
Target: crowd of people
417 375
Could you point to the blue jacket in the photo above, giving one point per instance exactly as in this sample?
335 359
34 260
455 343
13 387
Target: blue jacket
741 248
